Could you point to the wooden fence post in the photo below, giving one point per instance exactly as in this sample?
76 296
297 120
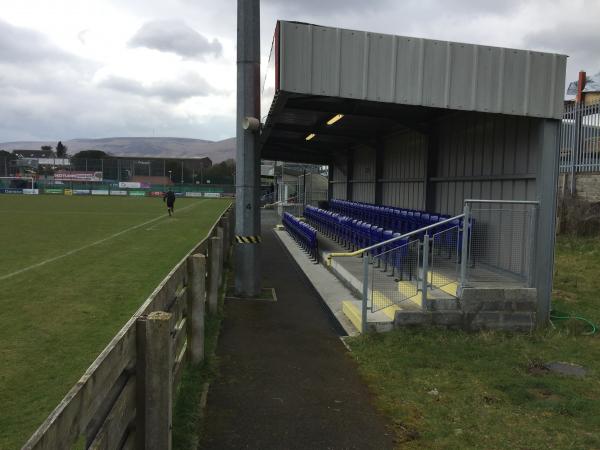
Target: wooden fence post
215 259
226 238
221 235
154 382
196 306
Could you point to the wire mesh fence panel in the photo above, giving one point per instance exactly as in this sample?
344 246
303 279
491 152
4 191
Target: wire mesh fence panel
393 277
580 138
295 209
500 244
445 257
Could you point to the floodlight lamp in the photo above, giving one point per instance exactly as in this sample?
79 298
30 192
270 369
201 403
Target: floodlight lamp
310 136
334 119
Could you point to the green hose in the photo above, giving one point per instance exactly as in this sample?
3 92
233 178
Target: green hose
557 315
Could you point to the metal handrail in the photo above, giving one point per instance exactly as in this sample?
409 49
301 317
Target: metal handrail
389 241
512 202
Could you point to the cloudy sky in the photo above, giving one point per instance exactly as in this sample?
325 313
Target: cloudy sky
102 68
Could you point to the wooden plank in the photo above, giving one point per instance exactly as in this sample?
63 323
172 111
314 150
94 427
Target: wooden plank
180 336
118 420
70 418
178 308
178 367
129 443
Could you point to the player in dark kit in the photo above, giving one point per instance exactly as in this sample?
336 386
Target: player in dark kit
169 197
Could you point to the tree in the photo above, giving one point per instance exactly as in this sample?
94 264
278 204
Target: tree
221 173
61 150
46 148
91 154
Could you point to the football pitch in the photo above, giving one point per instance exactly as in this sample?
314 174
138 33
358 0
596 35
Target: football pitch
72 272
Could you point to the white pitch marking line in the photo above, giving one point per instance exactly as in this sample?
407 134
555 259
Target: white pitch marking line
71 252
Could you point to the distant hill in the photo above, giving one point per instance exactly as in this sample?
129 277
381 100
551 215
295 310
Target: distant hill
141 146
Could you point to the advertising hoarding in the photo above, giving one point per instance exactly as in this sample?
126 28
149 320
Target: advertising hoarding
63 175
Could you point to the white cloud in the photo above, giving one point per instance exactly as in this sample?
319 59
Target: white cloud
175 36
172 91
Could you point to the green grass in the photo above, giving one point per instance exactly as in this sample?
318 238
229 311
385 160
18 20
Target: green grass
492 392
56 318
187 413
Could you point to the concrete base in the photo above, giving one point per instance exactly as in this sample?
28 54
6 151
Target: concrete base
478 308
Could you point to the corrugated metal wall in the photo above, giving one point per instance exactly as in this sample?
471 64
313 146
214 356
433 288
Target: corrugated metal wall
363 189
476 156
340 178
404 168
356 64
483 156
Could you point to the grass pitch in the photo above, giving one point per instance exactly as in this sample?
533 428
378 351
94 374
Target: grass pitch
72 272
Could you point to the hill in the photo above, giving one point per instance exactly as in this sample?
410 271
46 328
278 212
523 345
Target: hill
170 147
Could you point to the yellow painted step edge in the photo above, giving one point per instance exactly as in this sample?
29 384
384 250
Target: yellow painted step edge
352 313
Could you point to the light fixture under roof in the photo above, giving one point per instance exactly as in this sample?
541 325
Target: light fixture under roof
310 136
334 119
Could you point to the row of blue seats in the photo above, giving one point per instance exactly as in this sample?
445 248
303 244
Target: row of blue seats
304 234
396 219
355 234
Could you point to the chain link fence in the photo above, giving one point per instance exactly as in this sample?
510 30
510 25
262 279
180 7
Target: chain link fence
394 275
142 175
445 258
501 244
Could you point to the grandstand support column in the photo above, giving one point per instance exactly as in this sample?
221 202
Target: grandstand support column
330 182
247 274
431 158
547 180
379 152
349 175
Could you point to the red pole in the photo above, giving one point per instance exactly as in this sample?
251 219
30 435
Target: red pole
580 87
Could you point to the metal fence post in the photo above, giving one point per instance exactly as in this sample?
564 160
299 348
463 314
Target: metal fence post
464 253
365 294
424 281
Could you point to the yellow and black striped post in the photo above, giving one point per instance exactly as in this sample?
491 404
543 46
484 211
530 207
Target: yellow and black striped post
248 239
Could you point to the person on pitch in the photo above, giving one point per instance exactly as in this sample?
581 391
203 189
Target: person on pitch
169 197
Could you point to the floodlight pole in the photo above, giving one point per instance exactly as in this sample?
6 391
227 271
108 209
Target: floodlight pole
247 217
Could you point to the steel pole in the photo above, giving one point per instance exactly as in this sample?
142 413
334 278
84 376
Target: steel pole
365 296
247 275
464 254
425 275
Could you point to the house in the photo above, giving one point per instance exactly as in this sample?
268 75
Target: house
591 88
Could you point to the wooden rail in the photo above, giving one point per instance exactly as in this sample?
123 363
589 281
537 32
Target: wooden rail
125 398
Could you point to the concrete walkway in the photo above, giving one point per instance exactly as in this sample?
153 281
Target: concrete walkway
286 380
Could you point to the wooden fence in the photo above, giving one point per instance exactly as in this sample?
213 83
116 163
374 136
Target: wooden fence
125 398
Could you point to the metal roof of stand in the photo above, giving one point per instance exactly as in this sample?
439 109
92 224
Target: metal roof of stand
382 83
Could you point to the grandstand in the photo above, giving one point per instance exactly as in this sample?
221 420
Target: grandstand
442 168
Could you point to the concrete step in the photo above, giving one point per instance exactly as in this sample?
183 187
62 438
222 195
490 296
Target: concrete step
380 321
